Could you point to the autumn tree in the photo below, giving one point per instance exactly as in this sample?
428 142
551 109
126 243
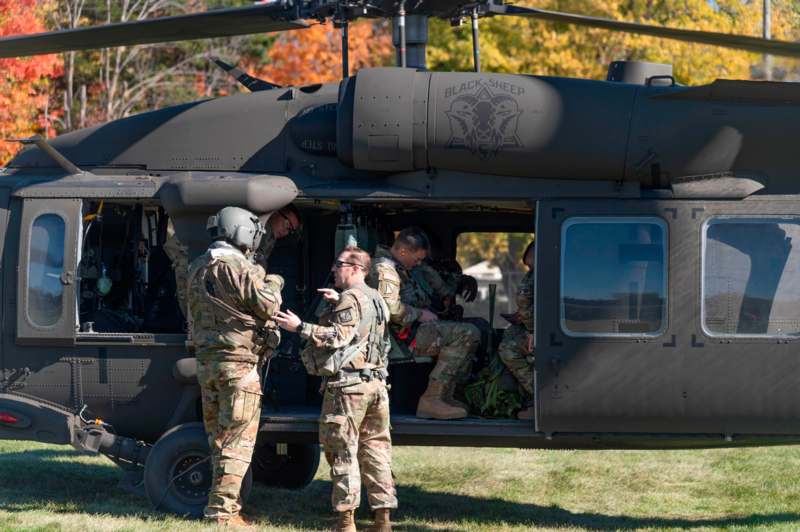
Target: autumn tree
23 82
520 45
314 55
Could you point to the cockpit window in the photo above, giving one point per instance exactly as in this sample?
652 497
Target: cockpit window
751 276
613 276
46 264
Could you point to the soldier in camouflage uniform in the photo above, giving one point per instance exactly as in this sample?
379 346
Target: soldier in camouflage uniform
231 302
282 223
349 347
516 348
178 255
453 344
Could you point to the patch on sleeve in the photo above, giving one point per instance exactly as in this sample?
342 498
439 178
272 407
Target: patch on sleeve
344 316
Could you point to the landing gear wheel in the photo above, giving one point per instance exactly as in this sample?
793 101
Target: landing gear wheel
293 470
177 474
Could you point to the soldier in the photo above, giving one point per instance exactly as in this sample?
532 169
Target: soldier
349 348
282 223
179 257
231 303
516 348
453 344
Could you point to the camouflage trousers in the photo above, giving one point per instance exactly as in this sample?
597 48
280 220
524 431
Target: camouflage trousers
513 351
354 430
231 393
453 343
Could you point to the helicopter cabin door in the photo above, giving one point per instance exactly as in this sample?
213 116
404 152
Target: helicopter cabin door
48 248
662 316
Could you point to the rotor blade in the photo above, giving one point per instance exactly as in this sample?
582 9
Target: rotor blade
259 18
251 83
740 42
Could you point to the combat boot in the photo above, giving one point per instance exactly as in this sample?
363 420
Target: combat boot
432 404
235 522
450 398
383 521
346 522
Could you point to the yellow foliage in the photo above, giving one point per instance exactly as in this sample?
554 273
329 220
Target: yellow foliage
515 44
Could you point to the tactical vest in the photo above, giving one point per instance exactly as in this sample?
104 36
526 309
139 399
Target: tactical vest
371 339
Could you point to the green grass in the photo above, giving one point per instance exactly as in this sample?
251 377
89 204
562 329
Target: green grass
51 488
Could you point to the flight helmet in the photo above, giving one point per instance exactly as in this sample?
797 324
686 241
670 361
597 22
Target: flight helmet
238 226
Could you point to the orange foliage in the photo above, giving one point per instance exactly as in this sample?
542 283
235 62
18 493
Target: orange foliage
314 55
23 82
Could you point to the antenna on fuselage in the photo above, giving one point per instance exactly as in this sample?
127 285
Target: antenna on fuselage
476 47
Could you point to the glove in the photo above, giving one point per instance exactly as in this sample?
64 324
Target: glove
467 288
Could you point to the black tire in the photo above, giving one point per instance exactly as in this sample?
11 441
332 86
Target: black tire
177 474
294 470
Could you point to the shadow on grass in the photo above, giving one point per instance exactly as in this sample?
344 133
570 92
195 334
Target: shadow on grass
56 481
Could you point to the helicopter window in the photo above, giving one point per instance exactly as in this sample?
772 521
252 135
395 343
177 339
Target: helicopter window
613 276
46 264
751 277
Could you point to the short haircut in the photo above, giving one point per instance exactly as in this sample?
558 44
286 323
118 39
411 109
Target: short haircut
413 238
358 256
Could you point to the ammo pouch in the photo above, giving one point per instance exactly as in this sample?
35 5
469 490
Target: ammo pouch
322 362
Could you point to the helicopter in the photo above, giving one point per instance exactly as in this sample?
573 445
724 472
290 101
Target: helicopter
667 286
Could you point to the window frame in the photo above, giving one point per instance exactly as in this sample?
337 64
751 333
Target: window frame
739 218
62 332
648 219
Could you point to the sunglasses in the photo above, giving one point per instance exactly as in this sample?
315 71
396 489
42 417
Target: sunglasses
341 264
288 223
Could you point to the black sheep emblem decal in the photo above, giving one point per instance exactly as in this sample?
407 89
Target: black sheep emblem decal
484 123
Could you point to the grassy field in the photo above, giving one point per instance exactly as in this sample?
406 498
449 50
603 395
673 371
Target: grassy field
55 488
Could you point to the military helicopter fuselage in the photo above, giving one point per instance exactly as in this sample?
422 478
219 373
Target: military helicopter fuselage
667 284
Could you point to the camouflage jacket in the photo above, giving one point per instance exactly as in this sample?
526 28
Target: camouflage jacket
265 247
230 300
178 255
404 295
525 301
344 325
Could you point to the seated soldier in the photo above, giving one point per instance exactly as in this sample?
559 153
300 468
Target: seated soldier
443 279
516 349
452 344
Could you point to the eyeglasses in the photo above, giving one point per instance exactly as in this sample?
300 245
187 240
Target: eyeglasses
288 224
341 264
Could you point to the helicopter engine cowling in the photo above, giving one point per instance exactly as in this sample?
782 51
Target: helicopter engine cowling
397 120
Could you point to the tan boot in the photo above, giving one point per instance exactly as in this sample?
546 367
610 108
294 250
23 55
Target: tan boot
383 521
346 522
235 522
433 406
450 399
526 413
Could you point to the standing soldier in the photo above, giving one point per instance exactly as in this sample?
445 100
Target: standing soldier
516 348
452 343
231 303
178 255
282 223
349 348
